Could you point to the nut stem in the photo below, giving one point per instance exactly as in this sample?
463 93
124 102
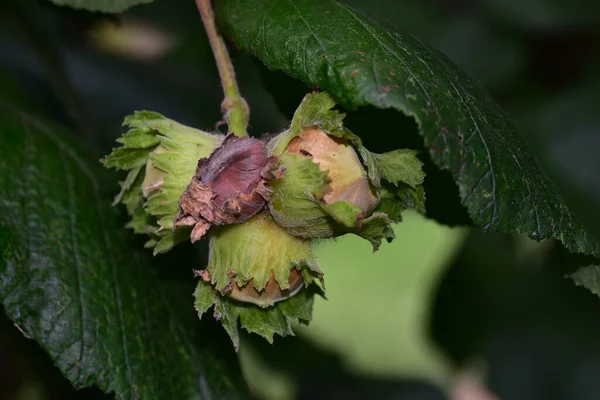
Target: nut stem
234 107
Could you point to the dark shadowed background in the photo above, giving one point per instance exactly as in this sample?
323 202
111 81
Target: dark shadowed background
438 312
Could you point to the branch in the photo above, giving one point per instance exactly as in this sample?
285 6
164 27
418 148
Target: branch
234 107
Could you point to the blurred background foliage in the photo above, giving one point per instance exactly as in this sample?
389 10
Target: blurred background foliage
440 313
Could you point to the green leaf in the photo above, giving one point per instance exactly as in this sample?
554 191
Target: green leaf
361 63
70 279
401 166
588 277
107 6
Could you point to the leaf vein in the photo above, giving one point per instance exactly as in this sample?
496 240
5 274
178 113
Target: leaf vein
530 196
313 35
117 298
76 257
393 53
487 151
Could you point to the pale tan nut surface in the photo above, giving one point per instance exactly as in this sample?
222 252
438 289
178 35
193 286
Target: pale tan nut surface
272 293
347 177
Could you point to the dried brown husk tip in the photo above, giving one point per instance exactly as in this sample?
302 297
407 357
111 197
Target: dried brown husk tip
229 187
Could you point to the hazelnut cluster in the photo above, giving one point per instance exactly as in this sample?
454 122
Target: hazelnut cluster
261 204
